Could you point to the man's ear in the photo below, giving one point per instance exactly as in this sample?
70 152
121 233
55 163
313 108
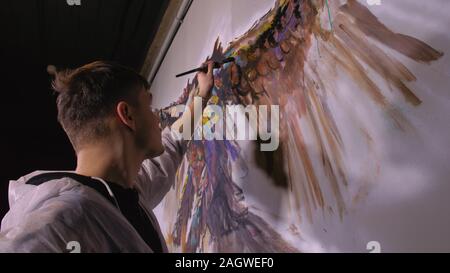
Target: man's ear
125 114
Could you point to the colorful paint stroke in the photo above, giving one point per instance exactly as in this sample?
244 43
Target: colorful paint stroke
277 64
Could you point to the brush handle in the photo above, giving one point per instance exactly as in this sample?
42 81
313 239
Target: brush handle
204 69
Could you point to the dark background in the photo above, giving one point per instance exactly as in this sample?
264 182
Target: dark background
35 33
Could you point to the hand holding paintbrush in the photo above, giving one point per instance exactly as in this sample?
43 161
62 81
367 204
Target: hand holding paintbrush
204 69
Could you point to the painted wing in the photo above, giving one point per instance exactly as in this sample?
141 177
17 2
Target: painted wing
291 57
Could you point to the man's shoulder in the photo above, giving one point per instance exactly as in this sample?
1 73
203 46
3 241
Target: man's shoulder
53 198
46 216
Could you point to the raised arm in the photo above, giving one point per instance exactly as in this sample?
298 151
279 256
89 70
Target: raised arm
157 175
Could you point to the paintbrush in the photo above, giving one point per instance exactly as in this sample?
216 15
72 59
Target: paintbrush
204 69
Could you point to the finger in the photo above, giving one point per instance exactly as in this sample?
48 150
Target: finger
205 63
210 68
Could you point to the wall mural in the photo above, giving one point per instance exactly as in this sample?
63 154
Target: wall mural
292 57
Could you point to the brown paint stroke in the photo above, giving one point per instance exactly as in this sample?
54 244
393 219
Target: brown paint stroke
387 66
372 27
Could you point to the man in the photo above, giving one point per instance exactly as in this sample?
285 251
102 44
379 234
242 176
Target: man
125 166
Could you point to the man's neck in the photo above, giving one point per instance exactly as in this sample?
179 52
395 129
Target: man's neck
109 162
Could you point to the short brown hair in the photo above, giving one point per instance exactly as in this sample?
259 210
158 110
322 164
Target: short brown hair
88 95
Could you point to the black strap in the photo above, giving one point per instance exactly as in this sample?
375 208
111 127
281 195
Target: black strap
85 180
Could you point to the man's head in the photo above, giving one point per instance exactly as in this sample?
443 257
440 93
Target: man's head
102 101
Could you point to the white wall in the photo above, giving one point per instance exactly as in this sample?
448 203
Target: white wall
407 208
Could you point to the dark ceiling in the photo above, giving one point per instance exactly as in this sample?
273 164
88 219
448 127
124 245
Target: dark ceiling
35 33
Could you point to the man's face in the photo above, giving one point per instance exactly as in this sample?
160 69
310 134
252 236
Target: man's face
148 131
